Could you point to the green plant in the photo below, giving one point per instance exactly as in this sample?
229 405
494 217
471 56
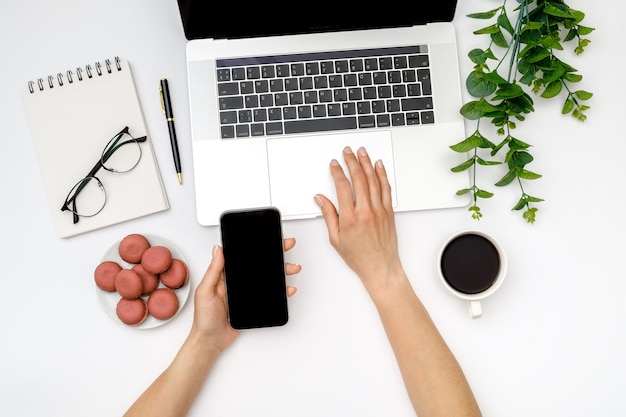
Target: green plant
527 62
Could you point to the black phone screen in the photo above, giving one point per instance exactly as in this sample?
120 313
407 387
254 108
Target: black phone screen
254 268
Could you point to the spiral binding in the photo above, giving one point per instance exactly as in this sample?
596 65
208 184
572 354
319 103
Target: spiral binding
68 77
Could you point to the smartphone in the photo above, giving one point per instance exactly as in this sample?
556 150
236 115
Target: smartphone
254 268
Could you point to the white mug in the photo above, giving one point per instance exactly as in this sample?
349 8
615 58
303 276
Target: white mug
472 265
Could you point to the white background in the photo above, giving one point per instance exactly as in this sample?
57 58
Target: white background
550 343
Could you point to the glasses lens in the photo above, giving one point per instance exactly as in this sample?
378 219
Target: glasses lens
121 154
87 198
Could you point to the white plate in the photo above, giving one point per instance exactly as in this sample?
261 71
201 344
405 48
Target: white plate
109 300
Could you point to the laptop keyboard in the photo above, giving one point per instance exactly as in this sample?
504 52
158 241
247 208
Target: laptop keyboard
326 91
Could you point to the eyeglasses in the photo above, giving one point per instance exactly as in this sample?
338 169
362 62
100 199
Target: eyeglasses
89 191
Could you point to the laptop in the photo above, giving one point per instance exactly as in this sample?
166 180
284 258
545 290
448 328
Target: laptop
275 95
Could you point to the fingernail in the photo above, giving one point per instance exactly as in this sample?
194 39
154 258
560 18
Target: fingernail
362 151
214 252
379 164
334 162
318 200
347 149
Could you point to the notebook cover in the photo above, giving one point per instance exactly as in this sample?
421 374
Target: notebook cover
72 117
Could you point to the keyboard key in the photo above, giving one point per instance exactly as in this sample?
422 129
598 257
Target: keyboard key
384 91
367 122
296 98
371 64
348 109
327 67
261 86
397 119
326 96
228 117
281 99
414 90
321 81
423 75
369 93
297 69
251 101
282 70
363 107
320 125
335 81
266 100
340 94
223 75
399 90
306 83
355 94
312 68
394 77
257 129
276 85
260 115
243 131
418 61
291 84
244 116
274 128
393 105
383 120
268 71
412 118
290 113
246 87
228 89
417 103
400 62
380 78
230 103
342 66
334 109
409 76
385 63
253 73
378 106
239 74
305 112
319 110
356 65
310 97
365 78
228 132
350 80
428 117
275 113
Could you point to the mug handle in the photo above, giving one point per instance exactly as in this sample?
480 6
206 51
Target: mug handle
475 309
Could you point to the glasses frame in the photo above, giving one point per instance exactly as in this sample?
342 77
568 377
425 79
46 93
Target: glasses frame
110 148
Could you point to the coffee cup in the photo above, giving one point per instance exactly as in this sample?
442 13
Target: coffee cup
472 266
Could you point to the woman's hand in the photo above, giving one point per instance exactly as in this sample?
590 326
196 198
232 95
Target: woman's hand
211 315
363 230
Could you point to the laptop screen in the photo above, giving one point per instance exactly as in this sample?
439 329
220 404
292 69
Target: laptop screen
204 19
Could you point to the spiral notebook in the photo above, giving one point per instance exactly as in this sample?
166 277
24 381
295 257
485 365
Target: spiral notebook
72 116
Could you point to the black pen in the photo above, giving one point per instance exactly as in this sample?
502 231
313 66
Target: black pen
166 106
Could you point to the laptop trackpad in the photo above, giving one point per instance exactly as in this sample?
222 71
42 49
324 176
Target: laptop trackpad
299 167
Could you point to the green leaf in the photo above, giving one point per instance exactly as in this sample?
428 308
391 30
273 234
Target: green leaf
572 78
494 77
531 26
464 166
568 106
507 179
478 86
487 30
463 191
583 95
557 10
570 35
533 199
553 89
470 112
477 56
483 194
584 30
529 215
507 91
472 142
517 145
487 163
519 159
528 175
499 39
504 23
520 204
484 15
537 54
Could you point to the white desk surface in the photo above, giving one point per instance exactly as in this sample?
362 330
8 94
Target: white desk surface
551 341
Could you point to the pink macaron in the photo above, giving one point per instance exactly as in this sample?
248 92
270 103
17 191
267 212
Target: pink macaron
156 259
176 275
132 247
105 274
132 312
150 281
128 284
163 303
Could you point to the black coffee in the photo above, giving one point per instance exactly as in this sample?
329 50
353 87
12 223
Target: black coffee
470 264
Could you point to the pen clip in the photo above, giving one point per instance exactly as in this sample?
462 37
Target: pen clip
161 99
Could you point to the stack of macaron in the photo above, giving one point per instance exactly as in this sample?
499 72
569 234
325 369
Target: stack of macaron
140 286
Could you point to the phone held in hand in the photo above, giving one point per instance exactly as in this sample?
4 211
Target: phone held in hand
254 268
